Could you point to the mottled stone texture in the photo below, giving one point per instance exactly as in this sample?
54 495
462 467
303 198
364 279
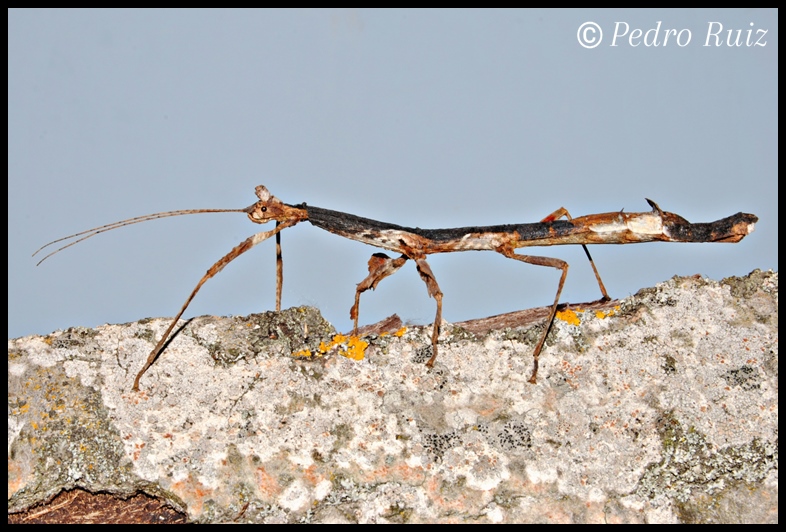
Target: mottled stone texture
663 408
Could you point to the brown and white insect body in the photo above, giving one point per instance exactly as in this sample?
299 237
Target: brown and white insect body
415 244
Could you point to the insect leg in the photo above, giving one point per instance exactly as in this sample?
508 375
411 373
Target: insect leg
556 215
542 261
379 267
217 267
279 269
433 290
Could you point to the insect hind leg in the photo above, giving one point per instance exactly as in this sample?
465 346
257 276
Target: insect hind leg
553 263
556 215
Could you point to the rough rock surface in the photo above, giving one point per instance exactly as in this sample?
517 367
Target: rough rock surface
662 407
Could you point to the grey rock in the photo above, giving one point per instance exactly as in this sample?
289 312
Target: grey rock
661 408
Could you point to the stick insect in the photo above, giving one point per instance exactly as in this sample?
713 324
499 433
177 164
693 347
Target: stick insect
415 244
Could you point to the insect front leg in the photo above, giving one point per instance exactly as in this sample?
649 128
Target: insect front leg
217 267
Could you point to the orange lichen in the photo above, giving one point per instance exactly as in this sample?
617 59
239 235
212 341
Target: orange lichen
356 348
569 316
601 314
348 346
572 316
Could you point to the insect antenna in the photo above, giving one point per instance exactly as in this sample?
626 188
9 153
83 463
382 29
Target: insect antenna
122 223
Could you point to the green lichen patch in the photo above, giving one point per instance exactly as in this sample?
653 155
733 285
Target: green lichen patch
66 434
286 333
691 466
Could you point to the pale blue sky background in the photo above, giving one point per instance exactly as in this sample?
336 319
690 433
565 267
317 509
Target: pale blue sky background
421 118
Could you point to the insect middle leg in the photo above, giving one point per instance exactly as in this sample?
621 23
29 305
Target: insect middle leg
381 266
433 290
